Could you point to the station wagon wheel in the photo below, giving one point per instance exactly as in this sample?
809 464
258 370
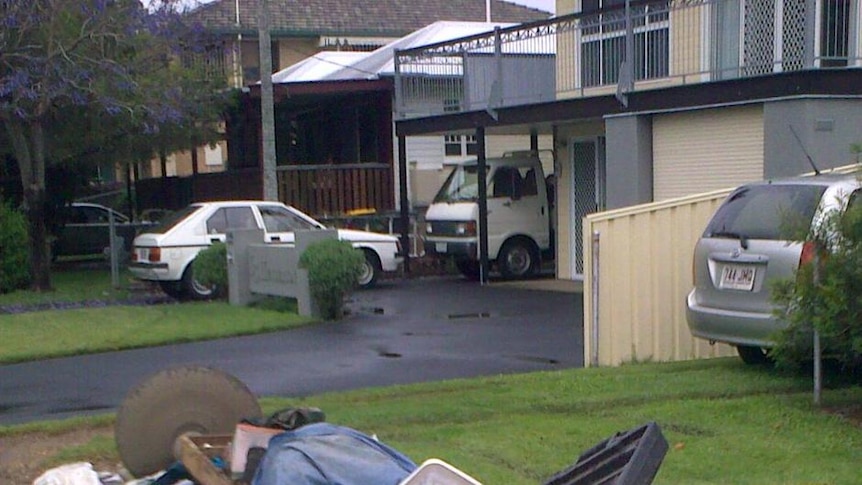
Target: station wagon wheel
753 355
371 268
194 289
517 259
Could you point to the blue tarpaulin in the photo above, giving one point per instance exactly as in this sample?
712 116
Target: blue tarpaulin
325 454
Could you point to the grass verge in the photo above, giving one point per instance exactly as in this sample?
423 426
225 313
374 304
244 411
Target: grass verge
46 334
39 335
725 422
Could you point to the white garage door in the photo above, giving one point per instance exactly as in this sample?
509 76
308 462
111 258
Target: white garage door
706 150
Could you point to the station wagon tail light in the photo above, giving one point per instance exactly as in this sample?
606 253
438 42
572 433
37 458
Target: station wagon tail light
155 255
808 252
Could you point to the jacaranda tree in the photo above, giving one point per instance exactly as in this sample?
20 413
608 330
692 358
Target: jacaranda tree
86 79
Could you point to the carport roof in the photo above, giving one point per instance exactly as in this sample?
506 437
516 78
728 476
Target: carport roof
343 66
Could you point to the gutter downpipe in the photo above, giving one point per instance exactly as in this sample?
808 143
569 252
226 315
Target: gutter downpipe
594 281
237 53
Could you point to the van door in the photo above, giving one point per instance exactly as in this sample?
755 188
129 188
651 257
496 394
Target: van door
517 204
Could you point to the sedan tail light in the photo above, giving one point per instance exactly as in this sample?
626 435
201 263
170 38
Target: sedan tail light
155 255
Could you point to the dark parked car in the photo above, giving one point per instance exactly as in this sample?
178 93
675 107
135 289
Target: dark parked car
85 231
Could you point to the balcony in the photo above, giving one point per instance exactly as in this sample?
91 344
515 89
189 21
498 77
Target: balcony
620 50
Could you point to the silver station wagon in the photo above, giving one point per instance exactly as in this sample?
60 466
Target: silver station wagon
164 253
745 248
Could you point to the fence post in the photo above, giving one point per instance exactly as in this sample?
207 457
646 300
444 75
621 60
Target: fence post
115 251
594 342
239 291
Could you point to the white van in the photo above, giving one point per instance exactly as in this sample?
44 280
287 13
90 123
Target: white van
520 218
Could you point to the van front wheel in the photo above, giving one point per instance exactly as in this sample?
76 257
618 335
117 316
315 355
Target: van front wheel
468 268
518 259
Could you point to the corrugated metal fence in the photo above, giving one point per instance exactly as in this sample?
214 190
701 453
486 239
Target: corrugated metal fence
637 273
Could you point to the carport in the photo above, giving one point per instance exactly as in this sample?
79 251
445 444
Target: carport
475 86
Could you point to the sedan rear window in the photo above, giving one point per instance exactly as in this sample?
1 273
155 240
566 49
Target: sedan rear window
765 211
171 220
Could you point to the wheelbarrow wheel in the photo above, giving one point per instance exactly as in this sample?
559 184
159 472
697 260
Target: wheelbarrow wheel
188 400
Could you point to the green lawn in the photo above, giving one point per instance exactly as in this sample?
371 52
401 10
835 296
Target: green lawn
726 423
76 285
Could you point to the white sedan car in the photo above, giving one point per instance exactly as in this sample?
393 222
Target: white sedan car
164 253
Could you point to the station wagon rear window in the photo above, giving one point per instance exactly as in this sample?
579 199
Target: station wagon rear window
765 211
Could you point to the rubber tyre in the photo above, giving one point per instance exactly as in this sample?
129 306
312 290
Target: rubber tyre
194 290
468 268
753 355
181 400
173 289
517 259
371 269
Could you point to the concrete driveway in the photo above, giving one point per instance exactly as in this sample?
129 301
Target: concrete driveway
404 331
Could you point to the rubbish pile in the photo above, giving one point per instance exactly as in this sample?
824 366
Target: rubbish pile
198 425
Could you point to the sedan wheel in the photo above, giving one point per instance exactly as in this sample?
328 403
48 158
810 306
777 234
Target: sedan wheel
371 268
173 289
194 289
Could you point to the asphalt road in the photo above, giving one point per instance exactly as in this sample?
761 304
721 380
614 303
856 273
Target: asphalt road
404 331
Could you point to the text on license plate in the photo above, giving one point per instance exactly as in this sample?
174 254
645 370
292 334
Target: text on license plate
737 277
440 247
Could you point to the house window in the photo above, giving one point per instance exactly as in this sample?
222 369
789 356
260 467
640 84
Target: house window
460 145
835 25
210 59
603 42
760 37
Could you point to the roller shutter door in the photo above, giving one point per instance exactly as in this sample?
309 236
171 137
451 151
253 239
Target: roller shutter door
706 150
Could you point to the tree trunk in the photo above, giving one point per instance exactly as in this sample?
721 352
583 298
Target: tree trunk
40 251
30 154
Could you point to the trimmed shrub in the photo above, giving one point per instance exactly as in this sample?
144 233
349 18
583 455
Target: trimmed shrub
210 267
14 249
333 268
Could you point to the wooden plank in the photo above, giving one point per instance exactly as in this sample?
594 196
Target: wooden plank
196 454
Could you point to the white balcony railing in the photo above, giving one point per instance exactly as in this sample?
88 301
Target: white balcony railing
617 50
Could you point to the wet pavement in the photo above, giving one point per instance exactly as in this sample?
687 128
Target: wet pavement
403 331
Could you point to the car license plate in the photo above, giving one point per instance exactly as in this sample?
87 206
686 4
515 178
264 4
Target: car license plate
737 277
440 247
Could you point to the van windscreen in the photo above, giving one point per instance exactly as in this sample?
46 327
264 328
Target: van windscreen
462 185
